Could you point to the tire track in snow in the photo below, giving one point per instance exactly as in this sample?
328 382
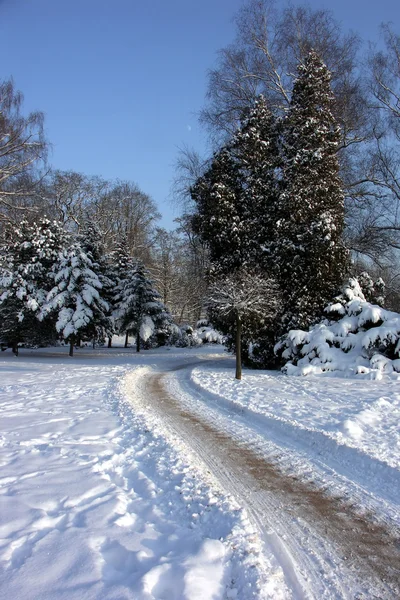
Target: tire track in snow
313 536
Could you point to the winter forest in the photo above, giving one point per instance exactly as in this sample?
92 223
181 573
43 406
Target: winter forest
287 247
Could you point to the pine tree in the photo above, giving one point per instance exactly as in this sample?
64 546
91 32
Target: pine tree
90 240
75 299
312 259
123 272
29 253
140 311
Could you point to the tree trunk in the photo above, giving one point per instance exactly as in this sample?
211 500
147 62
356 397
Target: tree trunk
94 343
126 340
238 347
71 346
109 342
15 348
137 342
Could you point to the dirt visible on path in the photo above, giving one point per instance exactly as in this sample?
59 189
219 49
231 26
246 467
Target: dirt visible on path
368 552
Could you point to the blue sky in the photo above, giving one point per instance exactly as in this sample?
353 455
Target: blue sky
121 81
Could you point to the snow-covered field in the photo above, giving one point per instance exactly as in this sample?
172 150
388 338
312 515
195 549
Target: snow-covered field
93 505
98 502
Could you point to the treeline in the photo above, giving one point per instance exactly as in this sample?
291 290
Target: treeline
32 194
57 285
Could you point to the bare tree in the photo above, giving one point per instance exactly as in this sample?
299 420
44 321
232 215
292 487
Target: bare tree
270 43
125 209
242 296
22 148
383 170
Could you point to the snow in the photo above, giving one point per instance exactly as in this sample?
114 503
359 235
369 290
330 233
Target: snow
350 425
100 500
95 503
364 342
146 328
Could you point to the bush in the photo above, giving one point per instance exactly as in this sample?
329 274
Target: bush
357 338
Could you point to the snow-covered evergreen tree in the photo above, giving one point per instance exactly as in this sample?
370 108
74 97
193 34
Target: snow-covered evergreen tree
256 150
220 217
140 311
312 259
28 255
75 299
90 240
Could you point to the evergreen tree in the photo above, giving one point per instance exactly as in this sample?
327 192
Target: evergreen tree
220 213
312 259
75 299
140 311
236 199
123 273
90 240
257 152
28 255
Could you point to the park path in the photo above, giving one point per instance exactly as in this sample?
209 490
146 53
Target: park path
326 549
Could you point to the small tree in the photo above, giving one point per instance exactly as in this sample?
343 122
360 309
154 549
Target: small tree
243 298
140 310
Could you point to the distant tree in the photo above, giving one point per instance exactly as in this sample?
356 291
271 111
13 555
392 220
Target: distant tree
140 311
243 298
76 299
312 259
124 209
22 149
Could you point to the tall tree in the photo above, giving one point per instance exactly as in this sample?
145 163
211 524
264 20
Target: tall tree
312 258
220 212
22 149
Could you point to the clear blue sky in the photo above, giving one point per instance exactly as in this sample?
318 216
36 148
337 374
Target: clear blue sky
121 81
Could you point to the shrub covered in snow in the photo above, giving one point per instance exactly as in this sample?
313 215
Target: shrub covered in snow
356 338
186 337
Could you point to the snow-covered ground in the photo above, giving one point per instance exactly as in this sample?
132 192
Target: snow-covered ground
350 425
94 505
99 501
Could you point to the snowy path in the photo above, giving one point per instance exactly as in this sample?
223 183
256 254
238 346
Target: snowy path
325 547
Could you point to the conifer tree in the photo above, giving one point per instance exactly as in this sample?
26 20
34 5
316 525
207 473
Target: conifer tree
90 240
312 259
140 311
219 218
75 299
257 152
123 273
28 255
